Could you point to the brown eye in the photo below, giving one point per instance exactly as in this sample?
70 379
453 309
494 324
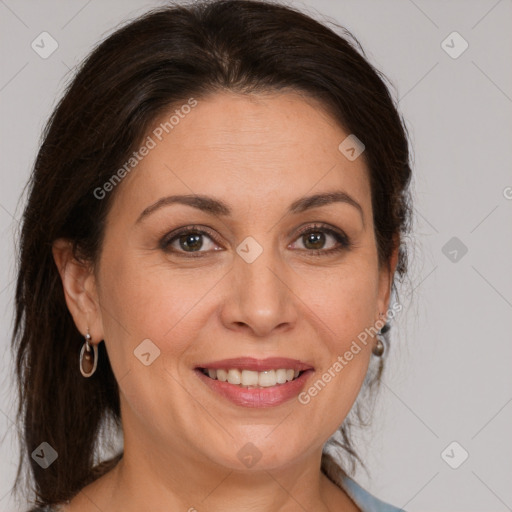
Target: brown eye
189 241
314 240
318 240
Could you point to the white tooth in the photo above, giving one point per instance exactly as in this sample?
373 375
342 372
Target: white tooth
267 379
296 374
234 376
249 378
289 374
281 376
212 373
222 375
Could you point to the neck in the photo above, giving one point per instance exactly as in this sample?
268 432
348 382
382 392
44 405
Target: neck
151 477
142 482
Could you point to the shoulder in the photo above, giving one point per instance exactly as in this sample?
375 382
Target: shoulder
364 500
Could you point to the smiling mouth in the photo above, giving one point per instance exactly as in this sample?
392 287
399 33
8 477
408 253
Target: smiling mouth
251 379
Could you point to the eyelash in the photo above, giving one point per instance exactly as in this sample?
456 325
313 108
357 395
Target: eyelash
344 242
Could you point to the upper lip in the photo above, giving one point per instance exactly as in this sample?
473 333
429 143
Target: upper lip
259 365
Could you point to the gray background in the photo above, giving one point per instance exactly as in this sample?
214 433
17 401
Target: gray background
449 375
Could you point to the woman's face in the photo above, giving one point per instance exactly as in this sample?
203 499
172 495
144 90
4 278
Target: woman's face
250 288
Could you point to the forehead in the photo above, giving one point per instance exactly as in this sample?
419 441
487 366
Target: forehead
246 149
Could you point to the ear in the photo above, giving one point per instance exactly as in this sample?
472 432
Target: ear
386 274
80 290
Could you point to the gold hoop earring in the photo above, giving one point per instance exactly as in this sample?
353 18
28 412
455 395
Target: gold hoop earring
88 357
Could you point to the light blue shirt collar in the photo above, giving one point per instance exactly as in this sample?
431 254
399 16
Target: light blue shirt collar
364 500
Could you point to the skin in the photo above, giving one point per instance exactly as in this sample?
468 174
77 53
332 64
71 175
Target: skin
258 154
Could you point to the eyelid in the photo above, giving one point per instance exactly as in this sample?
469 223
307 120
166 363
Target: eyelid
344 242
319 226
341 237
195 228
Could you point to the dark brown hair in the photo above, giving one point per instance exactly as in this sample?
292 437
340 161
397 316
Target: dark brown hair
159 60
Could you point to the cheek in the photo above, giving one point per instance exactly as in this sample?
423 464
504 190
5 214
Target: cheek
344 301
146 309
141 301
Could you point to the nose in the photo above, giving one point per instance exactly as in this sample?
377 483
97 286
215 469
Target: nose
259 298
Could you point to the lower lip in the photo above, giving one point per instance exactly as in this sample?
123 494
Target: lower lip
259 397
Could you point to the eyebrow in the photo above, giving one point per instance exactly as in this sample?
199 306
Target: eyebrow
219 208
